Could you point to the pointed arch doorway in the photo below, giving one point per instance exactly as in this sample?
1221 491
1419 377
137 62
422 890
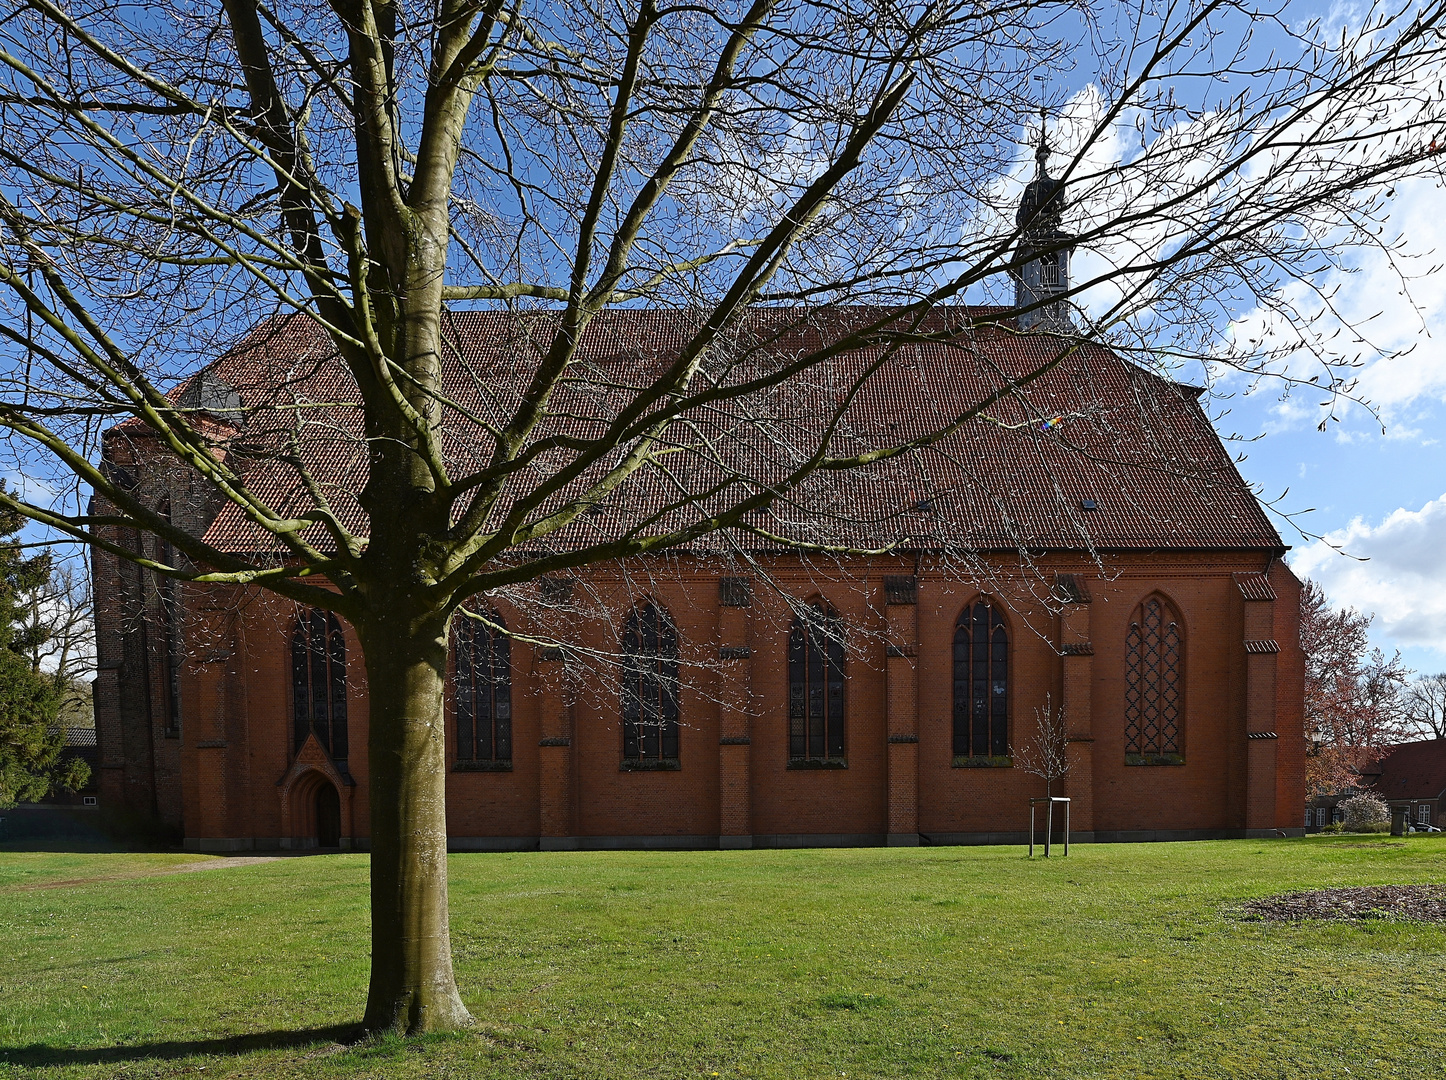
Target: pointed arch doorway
317 802
328 816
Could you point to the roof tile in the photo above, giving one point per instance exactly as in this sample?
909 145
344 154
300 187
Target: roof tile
1415 770
1093 427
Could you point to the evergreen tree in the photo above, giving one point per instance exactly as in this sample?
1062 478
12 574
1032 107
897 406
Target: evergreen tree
32 745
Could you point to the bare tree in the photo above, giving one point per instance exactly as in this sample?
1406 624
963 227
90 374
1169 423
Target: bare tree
1046 754
1426 705
58 627
366 168
57 632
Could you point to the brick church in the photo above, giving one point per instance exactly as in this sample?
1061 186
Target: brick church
1086 549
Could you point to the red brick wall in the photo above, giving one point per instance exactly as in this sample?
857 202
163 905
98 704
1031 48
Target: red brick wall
1289 700
236 743
1195 795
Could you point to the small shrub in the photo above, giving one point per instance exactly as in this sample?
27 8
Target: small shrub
1334 828
1365 809
1375 826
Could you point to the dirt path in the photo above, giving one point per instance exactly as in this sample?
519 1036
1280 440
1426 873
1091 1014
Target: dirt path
160 871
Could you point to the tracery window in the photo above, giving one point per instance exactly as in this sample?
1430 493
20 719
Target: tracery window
1155 685
816 658
981 683
482 704
318 681
650 689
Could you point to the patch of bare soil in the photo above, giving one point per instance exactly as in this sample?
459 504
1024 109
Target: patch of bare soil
1375 844
160 871
1421 903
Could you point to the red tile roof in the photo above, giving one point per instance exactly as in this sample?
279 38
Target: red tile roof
1415 770
1254 586
1132 462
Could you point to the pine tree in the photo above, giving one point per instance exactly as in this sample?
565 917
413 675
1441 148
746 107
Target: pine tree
32 745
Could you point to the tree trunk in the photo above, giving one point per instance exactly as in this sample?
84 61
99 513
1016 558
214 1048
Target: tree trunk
412 986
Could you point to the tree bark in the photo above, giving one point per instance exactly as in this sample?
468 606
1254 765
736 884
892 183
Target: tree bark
412 985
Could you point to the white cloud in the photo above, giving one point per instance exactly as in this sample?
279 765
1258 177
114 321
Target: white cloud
1396 328
1402 580
1355 280
1377 298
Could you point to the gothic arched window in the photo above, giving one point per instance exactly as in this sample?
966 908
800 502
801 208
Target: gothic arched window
482 705
816 687
318 681
1155 684
981 683
650 686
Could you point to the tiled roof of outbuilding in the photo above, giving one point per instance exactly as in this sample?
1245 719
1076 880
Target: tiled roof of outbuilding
1415 770
1133 463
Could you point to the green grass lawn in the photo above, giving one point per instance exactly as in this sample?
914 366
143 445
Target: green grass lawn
1120 961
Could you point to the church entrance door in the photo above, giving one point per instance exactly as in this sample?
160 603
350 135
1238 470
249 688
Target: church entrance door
328 817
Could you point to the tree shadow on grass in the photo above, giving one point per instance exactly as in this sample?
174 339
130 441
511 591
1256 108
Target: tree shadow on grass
37 1055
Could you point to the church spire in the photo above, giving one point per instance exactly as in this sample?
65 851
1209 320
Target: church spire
1041 153
1044 247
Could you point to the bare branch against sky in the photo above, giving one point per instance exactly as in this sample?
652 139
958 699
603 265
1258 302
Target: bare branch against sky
807 190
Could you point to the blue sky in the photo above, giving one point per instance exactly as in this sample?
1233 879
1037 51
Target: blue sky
1373 484
1378 496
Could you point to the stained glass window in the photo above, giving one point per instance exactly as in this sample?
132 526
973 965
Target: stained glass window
482 704
318 681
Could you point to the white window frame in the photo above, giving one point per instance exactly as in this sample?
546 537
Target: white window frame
1423 813
1051 269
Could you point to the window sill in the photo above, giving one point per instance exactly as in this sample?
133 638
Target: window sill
807 763
1154 759
462 765
982 763
667 764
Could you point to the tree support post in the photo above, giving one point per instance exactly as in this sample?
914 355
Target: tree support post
1049 801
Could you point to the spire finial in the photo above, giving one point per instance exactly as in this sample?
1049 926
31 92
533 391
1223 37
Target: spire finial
1041 155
